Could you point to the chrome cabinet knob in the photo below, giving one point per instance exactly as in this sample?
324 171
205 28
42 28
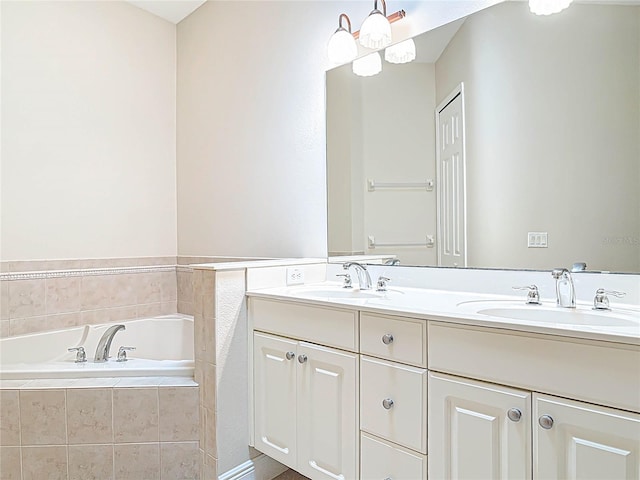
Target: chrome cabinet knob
546 422
514 414
290 355
387 403
302 358
387 339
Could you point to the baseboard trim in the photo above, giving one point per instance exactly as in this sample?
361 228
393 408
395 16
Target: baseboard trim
260 468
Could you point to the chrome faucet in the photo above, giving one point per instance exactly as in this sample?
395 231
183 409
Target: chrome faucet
565 289
104 345
364 280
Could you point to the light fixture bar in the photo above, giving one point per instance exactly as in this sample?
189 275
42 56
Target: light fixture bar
394 17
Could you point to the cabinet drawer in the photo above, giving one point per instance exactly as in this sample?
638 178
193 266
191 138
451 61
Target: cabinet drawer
327 326
380 459
394 338
596 372
393 402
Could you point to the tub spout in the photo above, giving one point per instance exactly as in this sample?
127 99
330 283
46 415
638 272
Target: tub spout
104 345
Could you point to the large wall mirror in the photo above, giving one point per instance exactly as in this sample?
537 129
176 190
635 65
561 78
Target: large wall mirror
550 117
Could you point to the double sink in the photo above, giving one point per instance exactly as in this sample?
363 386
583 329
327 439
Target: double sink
548 313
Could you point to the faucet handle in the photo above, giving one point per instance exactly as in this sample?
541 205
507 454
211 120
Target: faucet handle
81 355
558 273
601 301
122 353
382 284
533 295
347 279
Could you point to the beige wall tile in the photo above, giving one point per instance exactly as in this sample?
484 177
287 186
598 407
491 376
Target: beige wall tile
62 294
21 326
104 291
89 415
108 315
43 417
156 309
184 287
26 298
210 468
5 329
9 418
209 386
169 286
90 462
136 461
179 461
10 464
210 440
148 287
135 415
4 300
37 460
199 334
179 413
185 307
209 340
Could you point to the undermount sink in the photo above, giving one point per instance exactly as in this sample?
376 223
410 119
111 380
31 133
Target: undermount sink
581 315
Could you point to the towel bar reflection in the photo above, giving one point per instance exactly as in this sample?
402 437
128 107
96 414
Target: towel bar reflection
372 185
428 242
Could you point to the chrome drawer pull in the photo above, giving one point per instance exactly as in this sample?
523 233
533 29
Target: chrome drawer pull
514 414
387 339
546 422
302 358
290 355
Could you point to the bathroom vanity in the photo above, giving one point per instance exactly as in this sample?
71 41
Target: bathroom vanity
415 383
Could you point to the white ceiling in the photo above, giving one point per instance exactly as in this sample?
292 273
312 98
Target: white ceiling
171 10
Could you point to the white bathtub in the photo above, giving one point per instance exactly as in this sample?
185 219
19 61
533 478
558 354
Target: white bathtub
164 348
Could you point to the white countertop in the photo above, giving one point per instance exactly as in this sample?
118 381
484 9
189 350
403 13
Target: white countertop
462 307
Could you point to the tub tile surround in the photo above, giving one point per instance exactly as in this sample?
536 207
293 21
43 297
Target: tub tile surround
82 432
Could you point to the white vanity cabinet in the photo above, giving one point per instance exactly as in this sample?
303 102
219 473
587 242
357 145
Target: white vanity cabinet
478 430
305 395
474 431
579 440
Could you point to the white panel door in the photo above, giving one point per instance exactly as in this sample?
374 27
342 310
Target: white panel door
275 397
450 170
327 413
471 434
584 441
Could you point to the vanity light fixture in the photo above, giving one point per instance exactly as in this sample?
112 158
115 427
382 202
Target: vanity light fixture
368 65
548 7
403 52
342 46
376 28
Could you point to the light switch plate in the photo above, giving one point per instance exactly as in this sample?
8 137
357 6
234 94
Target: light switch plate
537 240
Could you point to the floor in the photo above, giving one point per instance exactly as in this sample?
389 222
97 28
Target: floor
290 475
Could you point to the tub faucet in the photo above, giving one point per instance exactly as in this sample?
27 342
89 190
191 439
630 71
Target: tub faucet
102 352
364 280
565 289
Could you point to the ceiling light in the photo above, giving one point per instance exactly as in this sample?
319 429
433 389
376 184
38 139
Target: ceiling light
342 46
548 7
368 66
403 52
376 29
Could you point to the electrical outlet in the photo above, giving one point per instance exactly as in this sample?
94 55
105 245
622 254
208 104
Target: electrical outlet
295 276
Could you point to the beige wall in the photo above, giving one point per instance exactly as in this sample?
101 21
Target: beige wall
251 116
88 131
563 170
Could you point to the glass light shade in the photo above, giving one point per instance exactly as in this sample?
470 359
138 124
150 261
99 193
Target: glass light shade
368 66
375 31
548 7
342 47
403 52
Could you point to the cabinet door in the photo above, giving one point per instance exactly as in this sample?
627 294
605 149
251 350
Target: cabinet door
327 413
583 441
475 431
275 397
